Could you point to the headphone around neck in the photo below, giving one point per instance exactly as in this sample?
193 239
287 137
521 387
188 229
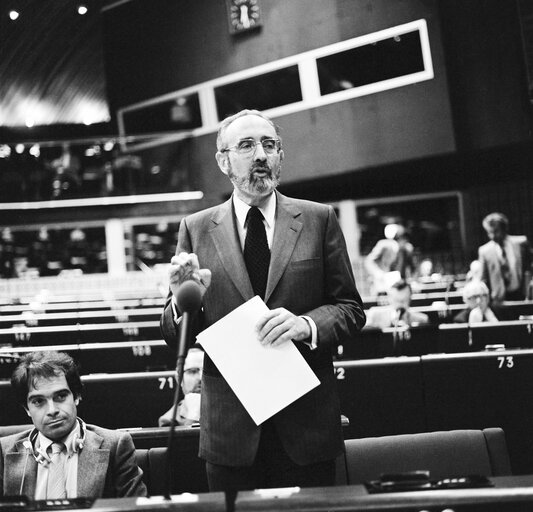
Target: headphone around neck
41 456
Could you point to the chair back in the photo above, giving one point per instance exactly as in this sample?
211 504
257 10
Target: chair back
444 454
141 457
188 472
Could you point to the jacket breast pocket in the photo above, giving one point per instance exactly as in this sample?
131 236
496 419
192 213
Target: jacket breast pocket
308 264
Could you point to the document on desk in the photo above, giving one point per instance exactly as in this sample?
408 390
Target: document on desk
265 379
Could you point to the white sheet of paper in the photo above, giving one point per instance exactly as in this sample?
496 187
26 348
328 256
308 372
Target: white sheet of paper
265 379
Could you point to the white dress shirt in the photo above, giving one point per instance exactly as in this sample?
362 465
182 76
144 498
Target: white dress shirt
269 213
70 456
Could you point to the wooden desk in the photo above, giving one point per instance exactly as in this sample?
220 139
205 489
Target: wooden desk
483 389
110 400
509 494
107 357
66 334
30 319
454 338
84 305
371 392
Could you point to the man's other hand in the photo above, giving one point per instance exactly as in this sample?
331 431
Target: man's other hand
279 326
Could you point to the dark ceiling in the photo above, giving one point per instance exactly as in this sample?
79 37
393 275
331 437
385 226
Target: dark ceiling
51 64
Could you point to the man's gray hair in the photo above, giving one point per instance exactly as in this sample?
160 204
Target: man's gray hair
246 112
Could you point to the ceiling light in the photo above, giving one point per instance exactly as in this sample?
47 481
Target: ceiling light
82 9
13 15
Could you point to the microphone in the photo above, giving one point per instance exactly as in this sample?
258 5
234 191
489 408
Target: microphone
401 312
395 334
189 297
189 300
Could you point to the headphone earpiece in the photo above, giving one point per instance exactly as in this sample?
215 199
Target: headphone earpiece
39 456
42 457
78 442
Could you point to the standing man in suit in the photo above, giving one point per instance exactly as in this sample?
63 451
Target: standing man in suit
505 259
295 258
62 457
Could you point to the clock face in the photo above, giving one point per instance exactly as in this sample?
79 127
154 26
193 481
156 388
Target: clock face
243 15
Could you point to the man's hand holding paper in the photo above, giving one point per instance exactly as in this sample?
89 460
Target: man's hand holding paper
265 377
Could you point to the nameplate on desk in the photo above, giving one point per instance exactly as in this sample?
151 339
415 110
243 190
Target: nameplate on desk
186 497
281 492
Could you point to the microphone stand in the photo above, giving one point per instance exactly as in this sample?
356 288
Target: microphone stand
470 339
189 300
180 362
447 298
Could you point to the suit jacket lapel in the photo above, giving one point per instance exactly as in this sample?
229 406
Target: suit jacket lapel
286 234
21 466
226 240
92 466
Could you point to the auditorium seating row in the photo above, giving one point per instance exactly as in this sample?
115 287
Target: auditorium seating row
445 454
140 299
379 397
369 344
30 319
66 306
99 312
76 286
437 339
80 333
109 357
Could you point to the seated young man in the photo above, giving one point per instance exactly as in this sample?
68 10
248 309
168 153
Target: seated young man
62 457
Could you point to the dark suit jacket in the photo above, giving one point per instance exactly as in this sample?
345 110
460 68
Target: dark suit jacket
106 466
310 273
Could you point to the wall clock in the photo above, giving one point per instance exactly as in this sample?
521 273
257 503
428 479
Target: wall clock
243 15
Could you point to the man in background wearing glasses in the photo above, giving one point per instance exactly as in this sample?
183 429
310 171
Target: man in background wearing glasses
291 253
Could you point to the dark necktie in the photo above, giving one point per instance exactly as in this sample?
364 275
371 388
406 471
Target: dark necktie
506 271
256 251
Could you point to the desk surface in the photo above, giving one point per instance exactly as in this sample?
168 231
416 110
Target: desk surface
507 490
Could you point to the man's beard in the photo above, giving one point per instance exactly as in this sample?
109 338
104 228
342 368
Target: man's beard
254 183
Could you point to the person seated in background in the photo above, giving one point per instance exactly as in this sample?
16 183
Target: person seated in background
397 312
477 299
475 271
189 407
394 253
425 271
62 457
505 260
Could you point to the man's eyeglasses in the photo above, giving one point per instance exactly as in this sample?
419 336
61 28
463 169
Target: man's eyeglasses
248 146
477 296
193 371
